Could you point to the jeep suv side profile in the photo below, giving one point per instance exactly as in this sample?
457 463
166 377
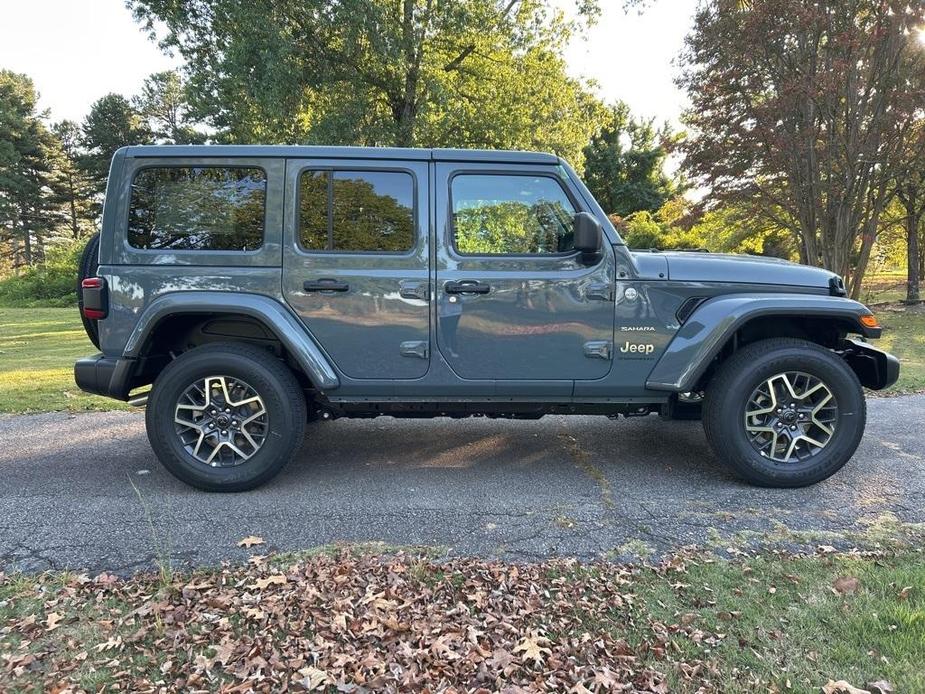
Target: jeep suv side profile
245 291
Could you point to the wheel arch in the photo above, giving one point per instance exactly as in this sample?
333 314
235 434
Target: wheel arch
249 318
720 326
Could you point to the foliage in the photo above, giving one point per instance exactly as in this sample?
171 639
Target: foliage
734 229
112 122
75 189
28 210
375 72
804 110
52 283
664 229
625 164
52 180
163 104
353 620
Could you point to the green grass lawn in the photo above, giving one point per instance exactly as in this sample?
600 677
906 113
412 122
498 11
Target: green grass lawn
38 347
796 620
904 336
884 287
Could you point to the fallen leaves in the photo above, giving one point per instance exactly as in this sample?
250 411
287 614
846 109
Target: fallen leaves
841 687
274 580
846 585
844 687
251 541
53 621
353 623
533 648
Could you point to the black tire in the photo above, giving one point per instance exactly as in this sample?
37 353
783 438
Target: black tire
730 389
270 378
88 267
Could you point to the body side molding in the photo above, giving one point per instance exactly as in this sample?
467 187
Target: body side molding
713 322
281 322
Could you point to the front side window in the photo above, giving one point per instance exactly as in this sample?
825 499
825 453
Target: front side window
198 208
511 214
356 211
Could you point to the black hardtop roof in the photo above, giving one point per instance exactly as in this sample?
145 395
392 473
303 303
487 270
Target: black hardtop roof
322 152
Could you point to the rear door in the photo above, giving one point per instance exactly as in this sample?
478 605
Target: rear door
515 301
356 262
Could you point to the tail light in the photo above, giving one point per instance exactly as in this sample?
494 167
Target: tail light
95 298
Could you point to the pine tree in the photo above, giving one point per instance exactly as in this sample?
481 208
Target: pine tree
28 206
72 186
112 123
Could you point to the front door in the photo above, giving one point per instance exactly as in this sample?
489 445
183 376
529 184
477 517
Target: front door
515 301
356 262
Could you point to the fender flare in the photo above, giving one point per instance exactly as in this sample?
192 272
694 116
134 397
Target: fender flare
711 325
269 311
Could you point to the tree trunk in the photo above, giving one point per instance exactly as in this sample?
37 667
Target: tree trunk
912 259
909 198
26 242
75 229
405 111
868 238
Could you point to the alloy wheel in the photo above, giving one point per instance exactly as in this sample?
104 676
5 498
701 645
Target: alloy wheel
791 417
221 421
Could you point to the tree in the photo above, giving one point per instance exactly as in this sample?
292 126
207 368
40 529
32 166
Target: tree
111 123
163 104
472 73
27 205
910 194
734 229
624 164
802 110
71 185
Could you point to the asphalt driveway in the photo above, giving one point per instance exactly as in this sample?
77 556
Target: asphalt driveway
86 492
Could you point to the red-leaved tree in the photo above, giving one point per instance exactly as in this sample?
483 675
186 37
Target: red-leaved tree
805 110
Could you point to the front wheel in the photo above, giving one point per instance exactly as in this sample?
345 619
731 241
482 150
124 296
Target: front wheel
784 413
225 417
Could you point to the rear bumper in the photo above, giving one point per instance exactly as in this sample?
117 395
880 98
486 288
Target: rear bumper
875 368
102 375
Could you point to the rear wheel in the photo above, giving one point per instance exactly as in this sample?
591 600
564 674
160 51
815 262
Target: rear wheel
226 417
784 413
88 267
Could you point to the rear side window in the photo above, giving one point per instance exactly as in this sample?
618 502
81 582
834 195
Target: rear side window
511 214
201 208
356 211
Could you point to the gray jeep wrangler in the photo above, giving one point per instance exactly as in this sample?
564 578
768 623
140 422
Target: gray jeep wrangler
256 289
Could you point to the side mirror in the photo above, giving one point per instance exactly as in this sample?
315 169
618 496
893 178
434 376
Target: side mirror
588 236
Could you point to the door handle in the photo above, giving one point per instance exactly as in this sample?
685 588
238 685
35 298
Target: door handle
325 284
466 287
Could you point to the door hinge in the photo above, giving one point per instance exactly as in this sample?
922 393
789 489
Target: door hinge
598 349
414 348
413 289
599 291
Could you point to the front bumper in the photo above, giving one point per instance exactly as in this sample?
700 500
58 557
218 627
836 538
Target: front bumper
875 368
102 375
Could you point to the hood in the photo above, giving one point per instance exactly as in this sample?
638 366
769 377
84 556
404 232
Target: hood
746 269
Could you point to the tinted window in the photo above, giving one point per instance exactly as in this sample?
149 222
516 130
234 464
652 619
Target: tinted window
356 211
511 214
205 208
